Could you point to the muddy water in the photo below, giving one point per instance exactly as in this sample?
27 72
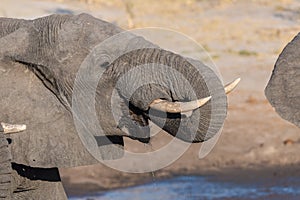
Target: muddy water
199 187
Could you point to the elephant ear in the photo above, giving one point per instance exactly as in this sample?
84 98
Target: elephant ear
51 139
283 89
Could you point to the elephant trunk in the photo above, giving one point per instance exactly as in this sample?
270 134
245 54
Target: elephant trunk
145 75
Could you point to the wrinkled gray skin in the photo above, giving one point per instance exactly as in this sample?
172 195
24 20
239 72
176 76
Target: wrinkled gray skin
283 89
40 59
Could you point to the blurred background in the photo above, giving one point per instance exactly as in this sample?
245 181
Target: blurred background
257 154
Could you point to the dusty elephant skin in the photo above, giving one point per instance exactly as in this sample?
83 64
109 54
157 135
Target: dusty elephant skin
283 89
39 60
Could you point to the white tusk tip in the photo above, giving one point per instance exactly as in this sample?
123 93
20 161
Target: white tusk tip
229 87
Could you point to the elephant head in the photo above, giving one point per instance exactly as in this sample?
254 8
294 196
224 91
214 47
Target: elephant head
182 96
283 89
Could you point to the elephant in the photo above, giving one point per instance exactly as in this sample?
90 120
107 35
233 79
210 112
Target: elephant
39 64
283 88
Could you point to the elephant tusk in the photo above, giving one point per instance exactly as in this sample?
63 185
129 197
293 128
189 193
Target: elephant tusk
181 107
178 107
12 128
230 86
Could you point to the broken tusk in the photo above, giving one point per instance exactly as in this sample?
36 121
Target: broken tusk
178 107
230 86
12 128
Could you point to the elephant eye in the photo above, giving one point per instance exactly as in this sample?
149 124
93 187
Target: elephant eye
105 64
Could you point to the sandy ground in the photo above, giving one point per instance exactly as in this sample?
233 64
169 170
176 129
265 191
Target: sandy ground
244 38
